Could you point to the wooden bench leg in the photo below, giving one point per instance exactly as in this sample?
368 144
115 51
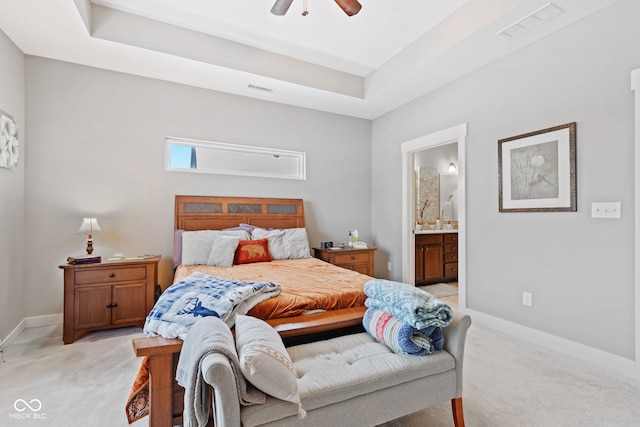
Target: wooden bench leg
161 391
456 408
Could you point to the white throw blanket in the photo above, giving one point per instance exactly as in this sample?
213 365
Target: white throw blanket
201 295
208 335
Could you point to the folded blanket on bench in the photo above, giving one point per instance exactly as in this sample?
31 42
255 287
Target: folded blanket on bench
208 335
401 337
412 305
201 295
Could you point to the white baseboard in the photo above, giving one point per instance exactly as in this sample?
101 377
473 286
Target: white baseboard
50 319
30 322
594 356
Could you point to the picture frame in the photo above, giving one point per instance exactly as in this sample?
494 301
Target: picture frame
9 145
537 171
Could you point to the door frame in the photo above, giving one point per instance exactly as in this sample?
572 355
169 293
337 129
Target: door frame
409 148
635 87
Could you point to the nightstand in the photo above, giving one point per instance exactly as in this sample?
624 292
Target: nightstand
106 295
360 260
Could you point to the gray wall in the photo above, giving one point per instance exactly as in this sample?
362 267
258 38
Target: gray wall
97 149
580 270
12 102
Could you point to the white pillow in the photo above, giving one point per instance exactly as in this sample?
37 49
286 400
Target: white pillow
196 245
288 243
223 250
264 360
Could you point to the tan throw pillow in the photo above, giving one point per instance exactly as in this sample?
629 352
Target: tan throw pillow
264 360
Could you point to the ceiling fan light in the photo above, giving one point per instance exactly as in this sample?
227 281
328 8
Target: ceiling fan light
280 7
350 7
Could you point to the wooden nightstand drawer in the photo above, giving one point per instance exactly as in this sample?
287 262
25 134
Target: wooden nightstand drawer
360 260
87 277
347 258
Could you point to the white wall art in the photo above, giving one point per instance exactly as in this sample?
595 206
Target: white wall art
9 146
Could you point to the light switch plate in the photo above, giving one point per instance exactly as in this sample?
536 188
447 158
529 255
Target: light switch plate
609 210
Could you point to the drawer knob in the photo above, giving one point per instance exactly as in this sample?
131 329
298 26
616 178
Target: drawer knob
352 258
112 305
112 275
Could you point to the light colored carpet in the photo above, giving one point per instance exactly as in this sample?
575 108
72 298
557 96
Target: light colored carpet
507 383
440 290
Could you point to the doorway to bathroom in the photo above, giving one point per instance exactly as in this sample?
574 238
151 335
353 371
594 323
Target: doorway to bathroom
425 209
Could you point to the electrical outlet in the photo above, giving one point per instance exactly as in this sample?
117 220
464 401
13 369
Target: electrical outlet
527 299
389 265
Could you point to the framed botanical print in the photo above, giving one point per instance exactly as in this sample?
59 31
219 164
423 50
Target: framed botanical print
537 171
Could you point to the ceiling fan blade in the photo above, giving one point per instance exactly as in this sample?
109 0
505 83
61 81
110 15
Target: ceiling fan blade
350 7
280 7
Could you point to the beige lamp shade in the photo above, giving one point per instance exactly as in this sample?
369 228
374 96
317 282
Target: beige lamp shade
89 226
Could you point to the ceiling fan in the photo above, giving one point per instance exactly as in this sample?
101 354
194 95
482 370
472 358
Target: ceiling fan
350 7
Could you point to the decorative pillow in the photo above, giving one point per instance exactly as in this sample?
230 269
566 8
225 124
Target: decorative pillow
196 245
264 360
252 251
223 250
288 243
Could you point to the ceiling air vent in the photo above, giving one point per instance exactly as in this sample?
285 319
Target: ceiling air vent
544 14
262 88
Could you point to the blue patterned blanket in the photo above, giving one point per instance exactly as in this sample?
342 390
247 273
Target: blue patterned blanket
401 337
412 305
200 295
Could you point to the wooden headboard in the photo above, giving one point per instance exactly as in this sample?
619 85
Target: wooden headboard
215 212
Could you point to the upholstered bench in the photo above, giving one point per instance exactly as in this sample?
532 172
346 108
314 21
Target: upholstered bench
349 380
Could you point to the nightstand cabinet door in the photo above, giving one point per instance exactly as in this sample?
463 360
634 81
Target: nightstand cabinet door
128 303
92 307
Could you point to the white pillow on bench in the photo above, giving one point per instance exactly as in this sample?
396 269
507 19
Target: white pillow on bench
264 360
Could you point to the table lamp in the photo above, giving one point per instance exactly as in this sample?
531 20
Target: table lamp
89 227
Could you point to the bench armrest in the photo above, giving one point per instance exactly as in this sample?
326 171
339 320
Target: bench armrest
455 336
217 372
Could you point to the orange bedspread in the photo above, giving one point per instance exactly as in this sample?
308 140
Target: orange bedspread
308 284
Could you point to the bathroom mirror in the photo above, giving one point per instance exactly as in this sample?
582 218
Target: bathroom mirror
189 155
436 196
448 197
436 184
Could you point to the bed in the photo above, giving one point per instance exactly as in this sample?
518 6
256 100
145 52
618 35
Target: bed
305 307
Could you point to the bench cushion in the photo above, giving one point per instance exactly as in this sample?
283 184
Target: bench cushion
342 368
